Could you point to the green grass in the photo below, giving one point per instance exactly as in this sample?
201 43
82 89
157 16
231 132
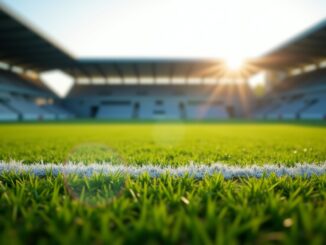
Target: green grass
125 210
173 143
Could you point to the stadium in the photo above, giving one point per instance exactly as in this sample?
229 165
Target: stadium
161 150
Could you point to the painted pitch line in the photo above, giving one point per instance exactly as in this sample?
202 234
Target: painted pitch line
197 171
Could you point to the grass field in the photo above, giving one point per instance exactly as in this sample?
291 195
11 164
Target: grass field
167 209
175 144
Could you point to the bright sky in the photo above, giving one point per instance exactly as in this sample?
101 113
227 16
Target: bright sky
229 29
170 28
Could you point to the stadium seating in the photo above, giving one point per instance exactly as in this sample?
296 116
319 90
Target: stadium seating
6 114
17 95
158 102
28 110
308 106
302 81
297 97
115 111
163 108
204 110
268 107
173 110
58 111
13 82
289 109
317 109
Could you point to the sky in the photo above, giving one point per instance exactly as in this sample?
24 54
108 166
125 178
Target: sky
170 28
227 29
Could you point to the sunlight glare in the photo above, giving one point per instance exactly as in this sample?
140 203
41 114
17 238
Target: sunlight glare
234 63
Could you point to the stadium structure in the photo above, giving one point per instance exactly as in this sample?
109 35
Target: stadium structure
159 89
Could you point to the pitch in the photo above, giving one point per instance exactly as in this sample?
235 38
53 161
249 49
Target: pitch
168 208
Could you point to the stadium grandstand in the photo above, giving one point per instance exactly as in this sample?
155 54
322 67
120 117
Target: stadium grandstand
159 89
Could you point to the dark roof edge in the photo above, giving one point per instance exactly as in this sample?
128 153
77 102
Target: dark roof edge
145 59
302 35
31 27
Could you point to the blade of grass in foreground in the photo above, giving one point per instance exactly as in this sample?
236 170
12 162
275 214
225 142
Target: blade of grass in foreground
166 209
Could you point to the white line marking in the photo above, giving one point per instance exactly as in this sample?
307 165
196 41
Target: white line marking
197 171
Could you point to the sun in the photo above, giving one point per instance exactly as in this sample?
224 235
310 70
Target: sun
234 63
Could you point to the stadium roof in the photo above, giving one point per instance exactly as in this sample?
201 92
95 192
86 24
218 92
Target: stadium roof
146 68
22 45
306 48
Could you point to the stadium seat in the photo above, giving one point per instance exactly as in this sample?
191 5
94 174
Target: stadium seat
201 110
6 114
163 108
317 110
288 110
13 82
271 106
28 110
59 112
115 111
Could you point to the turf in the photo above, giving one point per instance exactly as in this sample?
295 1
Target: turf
125 210
174 144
